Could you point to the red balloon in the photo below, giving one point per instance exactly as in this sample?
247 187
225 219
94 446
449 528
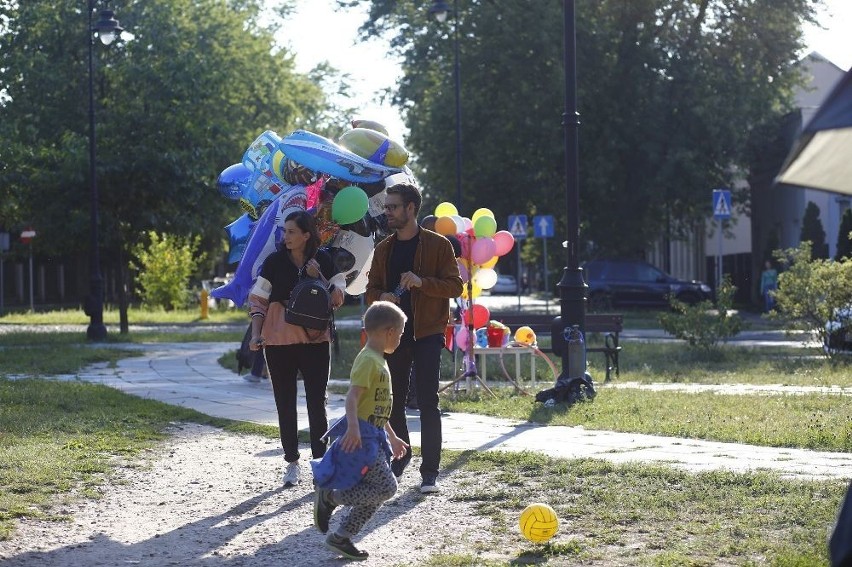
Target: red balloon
481 315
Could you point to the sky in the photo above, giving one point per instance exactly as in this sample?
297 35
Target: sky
319 33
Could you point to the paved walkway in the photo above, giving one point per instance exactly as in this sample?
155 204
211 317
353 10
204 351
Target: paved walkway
187 374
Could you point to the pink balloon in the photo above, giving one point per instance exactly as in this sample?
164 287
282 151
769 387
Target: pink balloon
462 338
504 241
465 275
467 224
482 250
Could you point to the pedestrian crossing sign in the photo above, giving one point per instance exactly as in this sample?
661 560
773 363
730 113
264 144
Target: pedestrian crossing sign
721 204
518 226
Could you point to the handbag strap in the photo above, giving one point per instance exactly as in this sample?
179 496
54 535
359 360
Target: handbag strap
302 274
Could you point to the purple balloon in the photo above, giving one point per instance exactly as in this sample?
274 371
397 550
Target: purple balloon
233 181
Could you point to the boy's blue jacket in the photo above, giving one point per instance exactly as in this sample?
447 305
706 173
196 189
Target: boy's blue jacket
341 470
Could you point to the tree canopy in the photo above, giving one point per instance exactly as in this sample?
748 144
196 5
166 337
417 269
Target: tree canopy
176 103
668 94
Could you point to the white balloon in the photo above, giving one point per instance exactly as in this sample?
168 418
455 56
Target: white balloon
485 277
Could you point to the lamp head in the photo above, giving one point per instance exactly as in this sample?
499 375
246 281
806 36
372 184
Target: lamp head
108 28
439 10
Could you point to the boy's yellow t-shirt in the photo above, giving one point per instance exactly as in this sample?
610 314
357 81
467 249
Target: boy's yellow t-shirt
370 371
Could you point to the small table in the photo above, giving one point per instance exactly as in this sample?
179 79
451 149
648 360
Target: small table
482 354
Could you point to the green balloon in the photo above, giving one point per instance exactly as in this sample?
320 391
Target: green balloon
485 226
349 205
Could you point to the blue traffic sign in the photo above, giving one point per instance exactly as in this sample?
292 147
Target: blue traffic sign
543 226
518 226
721 204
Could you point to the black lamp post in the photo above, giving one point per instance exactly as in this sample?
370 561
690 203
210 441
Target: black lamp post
572 287
107 30
440 10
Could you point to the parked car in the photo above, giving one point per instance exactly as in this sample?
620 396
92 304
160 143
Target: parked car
617 283
505 284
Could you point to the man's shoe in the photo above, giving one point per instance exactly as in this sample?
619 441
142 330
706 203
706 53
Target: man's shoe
344 546
251 378
292 474
429 485
323 507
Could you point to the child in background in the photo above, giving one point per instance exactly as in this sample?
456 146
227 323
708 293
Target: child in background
356 469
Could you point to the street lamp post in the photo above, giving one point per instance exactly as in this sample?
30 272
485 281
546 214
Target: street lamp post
107 30
572 287
440 10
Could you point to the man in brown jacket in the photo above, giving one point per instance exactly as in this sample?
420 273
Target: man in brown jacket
416 269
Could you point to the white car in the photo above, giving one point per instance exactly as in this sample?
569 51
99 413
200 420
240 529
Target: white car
505 284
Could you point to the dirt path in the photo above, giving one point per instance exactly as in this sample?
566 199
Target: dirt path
211 498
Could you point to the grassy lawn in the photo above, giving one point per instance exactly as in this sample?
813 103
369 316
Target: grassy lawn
59 439
642 514
140 316
820 422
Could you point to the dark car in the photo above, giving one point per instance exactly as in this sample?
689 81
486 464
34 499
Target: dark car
635 283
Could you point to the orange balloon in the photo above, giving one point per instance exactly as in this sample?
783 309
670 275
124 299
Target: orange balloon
445 226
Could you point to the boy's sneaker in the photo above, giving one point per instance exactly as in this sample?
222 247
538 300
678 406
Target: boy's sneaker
429 485
344 546
251 378
323 507
292 474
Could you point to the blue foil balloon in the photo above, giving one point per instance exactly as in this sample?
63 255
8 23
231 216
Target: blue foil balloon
238 235
233 181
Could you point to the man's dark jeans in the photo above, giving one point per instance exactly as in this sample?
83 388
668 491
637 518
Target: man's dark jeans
425 355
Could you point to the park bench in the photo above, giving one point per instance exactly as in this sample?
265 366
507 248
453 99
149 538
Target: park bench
608 324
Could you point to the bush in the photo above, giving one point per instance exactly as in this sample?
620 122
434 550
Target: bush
811 291
164 268
703 325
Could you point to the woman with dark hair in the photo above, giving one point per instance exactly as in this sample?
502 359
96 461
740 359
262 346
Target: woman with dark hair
289 349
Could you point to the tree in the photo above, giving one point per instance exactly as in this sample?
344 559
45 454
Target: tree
813 232
844 242
668 92
176 104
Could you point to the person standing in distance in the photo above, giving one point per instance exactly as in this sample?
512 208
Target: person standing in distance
416 269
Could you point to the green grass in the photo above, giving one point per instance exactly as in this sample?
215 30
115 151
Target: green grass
144 316
59 436
641 514
821 422
674 362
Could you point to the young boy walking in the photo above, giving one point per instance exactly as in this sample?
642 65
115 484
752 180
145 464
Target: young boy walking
355 470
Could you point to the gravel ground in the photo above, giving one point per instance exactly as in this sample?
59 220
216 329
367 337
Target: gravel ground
206 497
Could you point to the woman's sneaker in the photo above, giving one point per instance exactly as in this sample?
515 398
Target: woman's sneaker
344 546
292 474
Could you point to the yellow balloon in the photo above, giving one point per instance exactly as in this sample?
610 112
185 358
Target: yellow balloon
483 212
446 209
490 263
474 288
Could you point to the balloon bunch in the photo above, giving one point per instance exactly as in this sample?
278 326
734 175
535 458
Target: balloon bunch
343 185
481 246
